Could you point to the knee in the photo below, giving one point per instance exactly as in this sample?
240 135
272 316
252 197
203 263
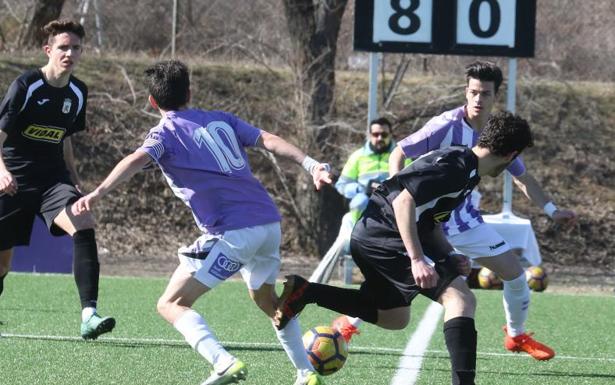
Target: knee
469 300
5 261
459 302
163 306
394 324
395 321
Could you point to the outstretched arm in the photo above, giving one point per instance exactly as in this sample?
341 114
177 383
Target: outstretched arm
123 171
278 146
530 187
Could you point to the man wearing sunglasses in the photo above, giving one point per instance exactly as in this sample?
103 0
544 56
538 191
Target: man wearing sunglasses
366 168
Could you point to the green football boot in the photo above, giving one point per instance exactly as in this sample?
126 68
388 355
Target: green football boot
232 375
95 326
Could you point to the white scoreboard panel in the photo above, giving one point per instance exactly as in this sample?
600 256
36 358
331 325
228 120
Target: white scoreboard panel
452 27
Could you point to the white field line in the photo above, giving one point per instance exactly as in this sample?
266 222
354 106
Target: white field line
412 357
238 344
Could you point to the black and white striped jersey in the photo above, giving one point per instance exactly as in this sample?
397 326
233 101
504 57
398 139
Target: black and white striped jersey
438 181
37 117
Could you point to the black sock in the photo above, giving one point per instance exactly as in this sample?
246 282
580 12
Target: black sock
460 337
2 283
86 267
351 302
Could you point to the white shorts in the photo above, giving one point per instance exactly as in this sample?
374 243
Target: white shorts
254 251
479 242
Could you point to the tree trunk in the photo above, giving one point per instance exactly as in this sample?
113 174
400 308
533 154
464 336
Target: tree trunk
44 12
314 26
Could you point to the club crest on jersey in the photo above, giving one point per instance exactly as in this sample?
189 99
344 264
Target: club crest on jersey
67 105
223 267
44 134
441 216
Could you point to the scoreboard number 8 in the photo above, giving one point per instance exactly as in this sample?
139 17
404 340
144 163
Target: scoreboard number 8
401 13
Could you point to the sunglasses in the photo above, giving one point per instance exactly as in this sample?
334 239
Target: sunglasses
383 135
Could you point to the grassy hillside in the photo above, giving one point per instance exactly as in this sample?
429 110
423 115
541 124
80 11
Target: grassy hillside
574 125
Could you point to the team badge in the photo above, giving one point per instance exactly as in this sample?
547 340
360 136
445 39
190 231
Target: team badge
67 105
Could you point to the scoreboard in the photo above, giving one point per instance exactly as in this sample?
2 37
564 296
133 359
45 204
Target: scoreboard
451 27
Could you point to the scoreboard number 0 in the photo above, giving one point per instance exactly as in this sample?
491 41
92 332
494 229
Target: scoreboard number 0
481 22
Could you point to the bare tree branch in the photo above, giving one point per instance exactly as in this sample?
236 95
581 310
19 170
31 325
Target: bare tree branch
130 86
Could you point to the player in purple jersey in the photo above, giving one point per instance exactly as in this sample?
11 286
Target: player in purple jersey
40 112
201 154
466 230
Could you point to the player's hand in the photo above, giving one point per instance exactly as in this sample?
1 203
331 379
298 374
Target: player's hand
462 262
8 184
322 175
85 203
424 274
566 218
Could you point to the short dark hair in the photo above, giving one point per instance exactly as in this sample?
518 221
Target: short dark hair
485 71
381 122
56 27
169 83
504 133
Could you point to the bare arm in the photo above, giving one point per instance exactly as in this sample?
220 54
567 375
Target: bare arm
69 159
396 160
8 184
404 207
279 146
530 187
122 172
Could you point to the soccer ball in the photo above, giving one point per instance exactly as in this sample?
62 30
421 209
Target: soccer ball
326 349
537 278
487 279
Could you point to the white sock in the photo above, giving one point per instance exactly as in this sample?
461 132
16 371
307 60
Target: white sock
354 321
87 312
198 335
516 304
291 339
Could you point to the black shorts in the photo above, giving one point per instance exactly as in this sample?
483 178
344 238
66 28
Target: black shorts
388 274
17 212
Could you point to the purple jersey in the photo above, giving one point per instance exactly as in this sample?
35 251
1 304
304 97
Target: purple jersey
451 129
202 156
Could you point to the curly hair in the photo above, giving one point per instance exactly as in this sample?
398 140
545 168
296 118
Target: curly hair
169 83
485 71
56 27
505 133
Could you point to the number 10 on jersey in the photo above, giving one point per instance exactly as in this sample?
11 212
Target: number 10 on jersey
464 27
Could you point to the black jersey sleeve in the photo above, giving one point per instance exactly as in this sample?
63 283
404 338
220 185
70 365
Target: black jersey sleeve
12 104
435 179
80 118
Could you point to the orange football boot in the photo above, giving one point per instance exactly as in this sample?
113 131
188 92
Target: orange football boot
346 329
525 343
